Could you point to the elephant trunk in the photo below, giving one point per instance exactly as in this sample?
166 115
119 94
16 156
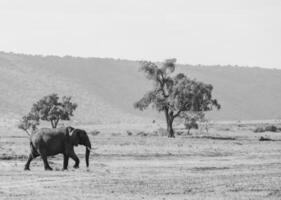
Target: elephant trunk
87 154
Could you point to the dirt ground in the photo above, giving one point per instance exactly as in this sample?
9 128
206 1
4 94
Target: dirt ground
149 167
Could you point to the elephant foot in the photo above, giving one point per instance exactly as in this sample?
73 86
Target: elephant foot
63 169
48 169
26 168
76 166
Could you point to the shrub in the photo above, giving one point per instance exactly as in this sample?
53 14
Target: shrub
116 134
94 132
129 133
162 132
142 134
259 130
270 128
191 125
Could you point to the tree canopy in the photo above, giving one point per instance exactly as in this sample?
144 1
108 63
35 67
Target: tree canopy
49 108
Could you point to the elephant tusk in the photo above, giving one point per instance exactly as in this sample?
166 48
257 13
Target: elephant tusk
72 131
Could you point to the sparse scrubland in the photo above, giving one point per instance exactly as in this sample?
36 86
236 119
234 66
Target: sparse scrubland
137 166
133 158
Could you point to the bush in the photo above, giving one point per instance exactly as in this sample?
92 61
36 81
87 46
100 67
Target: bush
142 134
116 134
162 132
259 130
94 132
180 132
129 133
270 128
265 139
191 125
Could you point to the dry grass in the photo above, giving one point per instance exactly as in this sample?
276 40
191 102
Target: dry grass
151 167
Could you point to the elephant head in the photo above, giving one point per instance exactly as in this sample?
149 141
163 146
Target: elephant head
79 136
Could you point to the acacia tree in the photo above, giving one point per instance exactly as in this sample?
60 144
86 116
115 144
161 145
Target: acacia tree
49 108
29 122
174 95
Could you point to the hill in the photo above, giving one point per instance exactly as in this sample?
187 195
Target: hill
105 89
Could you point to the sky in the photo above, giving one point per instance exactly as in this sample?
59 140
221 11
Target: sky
236 32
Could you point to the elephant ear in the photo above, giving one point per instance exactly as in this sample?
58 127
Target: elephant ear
74 136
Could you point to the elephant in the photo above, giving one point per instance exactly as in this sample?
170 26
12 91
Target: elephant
46 142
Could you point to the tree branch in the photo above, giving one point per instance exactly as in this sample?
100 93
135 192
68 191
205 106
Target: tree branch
180 110
27 132
177 114
56 122
162 82
52 123
163 92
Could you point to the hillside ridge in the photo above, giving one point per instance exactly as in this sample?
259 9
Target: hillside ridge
106 88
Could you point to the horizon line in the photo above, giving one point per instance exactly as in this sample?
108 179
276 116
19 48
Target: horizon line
133 60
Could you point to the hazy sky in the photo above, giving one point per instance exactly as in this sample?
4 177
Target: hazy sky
243 32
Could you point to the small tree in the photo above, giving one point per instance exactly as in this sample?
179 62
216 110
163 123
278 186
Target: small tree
195 120
49 108
174 95
29 122
191 120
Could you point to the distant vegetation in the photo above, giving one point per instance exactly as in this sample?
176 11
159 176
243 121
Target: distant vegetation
175 95
105 86
268 128
50 109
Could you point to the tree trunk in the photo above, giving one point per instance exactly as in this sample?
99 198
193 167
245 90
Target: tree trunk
56 123
170 129
53 124
169 121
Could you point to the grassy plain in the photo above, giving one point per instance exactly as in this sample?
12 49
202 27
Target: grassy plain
229 162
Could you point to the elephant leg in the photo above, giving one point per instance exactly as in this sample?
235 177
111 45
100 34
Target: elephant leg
65 161
75 158
30 158
46 164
